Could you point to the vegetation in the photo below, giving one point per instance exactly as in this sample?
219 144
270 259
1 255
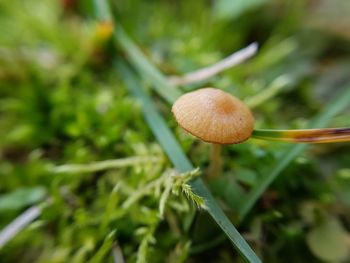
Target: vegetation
93 160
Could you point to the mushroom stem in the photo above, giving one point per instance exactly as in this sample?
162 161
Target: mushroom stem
215 160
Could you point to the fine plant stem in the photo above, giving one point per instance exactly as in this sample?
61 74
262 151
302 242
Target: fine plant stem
117 254
104 165
215 160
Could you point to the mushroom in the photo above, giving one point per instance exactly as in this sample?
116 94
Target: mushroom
216 117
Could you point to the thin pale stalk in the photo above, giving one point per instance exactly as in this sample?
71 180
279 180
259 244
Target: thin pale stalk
234 59
215 160
16 226
117 254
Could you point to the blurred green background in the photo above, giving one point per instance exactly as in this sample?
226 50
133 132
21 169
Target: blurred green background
63 102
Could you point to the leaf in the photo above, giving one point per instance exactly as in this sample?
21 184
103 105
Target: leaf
328 241
21 198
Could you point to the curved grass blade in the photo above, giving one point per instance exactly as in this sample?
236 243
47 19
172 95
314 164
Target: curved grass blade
304 136
332 109
148 71
202 74
181 162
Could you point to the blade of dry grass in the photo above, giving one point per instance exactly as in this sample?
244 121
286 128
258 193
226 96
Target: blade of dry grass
328 135
333 108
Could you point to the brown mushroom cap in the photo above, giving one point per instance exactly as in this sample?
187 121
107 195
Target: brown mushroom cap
214 116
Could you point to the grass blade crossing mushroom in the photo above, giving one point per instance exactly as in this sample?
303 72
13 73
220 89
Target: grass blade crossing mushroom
304 136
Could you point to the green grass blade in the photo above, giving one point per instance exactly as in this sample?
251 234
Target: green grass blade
168 91
181 162
148 71
334 107
156 123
